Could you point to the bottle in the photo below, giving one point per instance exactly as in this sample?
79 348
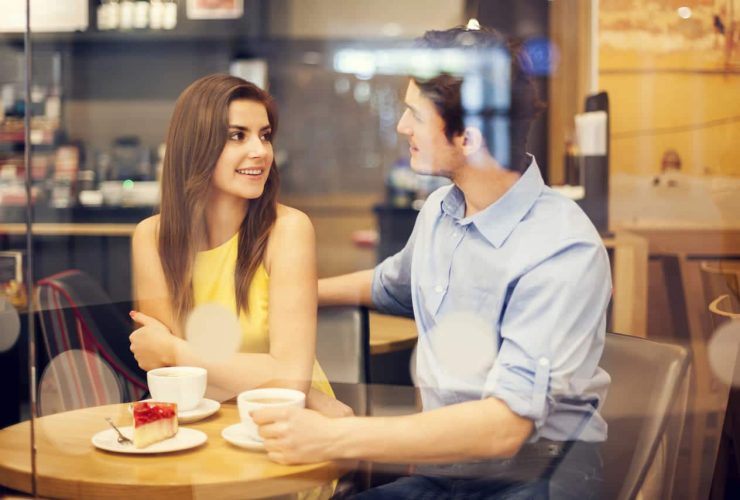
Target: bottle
103 15
141 14
156 11
114 14
53 107
126 21
169 15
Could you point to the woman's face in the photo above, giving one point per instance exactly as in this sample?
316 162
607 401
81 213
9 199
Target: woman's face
244 165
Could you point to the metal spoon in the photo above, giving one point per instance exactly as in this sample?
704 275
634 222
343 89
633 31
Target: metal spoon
121 438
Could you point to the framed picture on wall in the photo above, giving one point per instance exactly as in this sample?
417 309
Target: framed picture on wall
215 9
700 35
46 15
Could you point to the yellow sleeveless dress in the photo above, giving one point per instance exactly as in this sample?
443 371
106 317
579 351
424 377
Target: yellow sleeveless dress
213 282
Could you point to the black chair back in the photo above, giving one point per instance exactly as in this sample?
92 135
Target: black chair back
645 410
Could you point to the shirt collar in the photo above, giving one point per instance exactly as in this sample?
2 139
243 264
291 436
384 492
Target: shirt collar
497 221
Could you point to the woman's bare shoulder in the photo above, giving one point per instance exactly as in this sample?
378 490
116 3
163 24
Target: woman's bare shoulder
292 231
291 219
145 232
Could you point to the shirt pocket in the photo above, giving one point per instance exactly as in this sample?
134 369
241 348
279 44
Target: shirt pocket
482 301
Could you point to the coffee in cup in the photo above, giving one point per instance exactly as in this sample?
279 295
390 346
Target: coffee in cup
184 385
266 398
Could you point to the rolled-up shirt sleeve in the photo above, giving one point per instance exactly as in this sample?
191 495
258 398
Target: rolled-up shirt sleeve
552 324
391 291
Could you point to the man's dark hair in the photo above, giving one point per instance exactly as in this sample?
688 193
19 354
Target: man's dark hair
445 89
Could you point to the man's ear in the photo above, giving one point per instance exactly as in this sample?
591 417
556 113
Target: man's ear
472 141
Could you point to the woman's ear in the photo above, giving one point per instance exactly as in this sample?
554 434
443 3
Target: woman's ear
472 141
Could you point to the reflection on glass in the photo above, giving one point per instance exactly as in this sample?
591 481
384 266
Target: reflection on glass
77 379
99 102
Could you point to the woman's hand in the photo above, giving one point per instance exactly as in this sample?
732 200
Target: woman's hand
327 405
295 435
153 344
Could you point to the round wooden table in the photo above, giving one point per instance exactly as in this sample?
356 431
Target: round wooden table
68 465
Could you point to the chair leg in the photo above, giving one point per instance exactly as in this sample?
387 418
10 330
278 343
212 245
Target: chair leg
719 480
732 427
706 397
672 277
353 482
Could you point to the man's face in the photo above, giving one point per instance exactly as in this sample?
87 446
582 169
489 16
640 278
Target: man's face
431 152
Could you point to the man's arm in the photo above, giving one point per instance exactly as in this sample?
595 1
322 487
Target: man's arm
387 287
467 431
347 289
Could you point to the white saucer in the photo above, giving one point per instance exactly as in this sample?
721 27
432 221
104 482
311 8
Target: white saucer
236 435
183 440
205 408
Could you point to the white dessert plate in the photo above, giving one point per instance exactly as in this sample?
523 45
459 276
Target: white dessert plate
237 435
205 408
184 439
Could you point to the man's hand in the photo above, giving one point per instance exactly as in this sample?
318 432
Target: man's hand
295 435
327 405
153 344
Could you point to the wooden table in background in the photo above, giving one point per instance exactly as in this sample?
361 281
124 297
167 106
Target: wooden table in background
70 229
391 333
676 249
69 466
629 261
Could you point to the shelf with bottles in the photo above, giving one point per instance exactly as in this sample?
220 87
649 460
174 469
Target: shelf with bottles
49 160
126 21
12 132
126 15
45 110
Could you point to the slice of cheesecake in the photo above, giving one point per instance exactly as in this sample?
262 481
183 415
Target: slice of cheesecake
153 422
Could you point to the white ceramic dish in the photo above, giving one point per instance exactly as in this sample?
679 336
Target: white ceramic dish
184 440
237 435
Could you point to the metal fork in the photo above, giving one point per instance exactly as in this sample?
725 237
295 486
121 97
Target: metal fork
121 438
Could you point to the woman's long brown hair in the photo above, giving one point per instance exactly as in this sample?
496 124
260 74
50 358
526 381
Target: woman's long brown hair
197 134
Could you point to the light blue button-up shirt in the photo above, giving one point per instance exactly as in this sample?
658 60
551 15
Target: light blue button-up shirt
510 303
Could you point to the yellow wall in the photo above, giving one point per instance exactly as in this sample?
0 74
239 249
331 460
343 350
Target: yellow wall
645 102
664 72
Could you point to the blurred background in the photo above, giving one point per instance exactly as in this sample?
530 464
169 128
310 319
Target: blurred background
641 129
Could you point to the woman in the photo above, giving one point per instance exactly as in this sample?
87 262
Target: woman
221 237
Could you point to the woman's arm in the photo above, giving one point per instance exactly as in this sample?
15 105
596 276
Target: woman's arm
291 264
151 295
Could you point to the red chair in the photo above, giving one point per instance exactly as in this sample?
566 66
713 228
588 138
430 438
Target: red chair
76 314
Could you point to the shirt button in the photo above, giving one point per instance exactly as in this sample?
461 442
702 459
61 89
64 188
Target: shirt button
544 362
439 289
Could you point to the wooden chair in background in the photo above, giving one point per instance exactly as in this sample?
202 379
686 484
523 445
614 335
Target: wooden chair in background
722 283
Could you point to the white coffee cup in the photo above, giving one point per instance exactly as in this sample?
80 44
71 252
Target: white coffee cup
266 398
184 385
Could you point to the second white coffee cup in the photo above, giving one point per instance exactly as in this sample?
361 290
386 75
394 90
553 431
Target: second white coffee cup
184 385
266 398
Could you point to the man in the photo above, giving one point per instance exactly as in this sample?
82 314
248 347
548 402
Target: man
508 283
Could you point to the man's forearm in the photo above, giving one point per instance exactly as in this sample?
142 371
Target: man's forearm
466 431
347 289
